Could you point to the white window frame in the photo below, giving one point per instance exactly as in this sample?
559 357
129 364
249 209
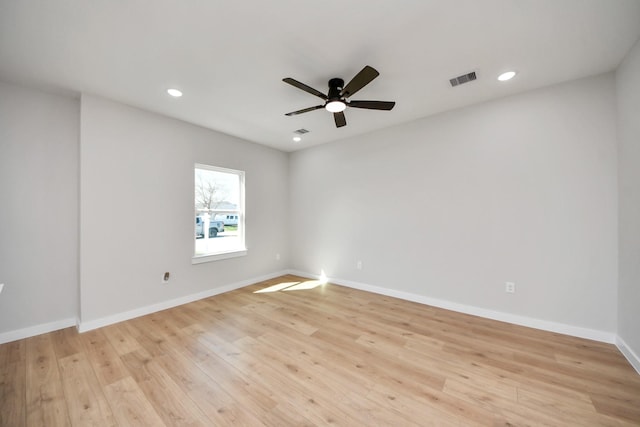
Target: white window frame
241 249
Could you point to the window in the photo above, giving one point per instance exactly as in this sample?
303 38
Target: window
219 212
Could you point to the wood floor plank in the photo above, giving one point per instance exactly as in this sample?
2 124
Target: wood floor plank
45 400
168 400
66 342
121 338
216 403
130 406
290 351
103 357
83 393
13 411
304 379
251 394
559 405
213 399
152 341
14 351
246 391
281 378
491 398
321 377
626 408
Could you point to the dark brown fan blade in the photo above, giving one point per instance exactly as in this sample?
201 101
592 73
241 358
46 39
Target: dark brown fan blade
361 79
340 119
304 87
304 110
373 105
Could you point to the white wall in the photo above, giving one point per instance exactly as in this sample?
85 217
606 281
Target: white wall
520 189
628 98
137 208
38 210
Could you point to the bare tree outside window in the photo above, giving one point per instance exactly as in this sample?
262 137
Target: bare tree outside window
209 193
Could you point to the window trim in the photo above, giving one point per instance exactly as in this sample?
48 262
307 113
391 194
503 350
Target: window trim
200 259
240 250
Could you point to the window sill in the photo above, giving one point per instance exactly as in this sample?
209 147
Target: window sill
218 256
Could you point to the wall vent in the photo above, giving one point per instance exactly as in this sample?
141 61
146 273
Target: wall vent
465 78
301 131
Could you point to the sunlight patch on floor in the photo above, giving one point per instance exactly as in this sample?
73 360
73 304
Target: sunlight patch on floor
309 284
296 286
276 287
292 286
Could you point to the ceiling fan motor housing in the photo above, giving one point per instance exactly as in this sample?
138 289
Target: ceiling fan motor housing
335 87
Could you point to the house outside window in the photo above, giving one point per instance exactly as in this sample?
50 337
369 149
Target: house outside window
219 213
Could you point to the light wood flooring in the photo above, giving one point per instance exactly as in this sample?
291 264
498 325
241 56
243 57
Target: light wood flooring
305 355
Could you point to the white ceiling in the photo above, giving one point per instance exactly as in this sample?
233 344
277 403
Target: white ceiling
229 57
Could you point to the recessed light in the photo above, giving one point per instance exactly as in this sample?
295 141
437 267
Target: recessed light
297 139
506 76
174 92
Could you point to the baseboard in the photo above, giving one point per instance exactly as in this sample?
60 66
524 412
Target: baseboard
32 331
143 311
44 328
633 358
545 325
490 314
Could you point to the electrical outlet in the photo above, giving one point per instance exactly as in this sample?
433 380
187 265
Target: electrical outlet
510 287
277 257
359 265
165 277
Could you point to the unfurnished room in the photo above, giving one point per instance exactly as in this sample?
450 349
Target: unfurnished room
297 213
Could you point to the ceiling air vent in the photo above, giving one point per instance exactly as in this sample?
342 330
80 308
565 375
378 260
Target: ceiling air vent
301 131
465 78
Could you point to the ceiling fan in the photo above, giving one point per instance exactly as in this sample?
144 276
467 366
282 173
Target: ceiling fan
336 100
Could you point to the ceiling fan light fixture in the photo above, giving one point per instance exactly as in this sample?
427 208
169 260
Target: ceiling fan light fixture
335 106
